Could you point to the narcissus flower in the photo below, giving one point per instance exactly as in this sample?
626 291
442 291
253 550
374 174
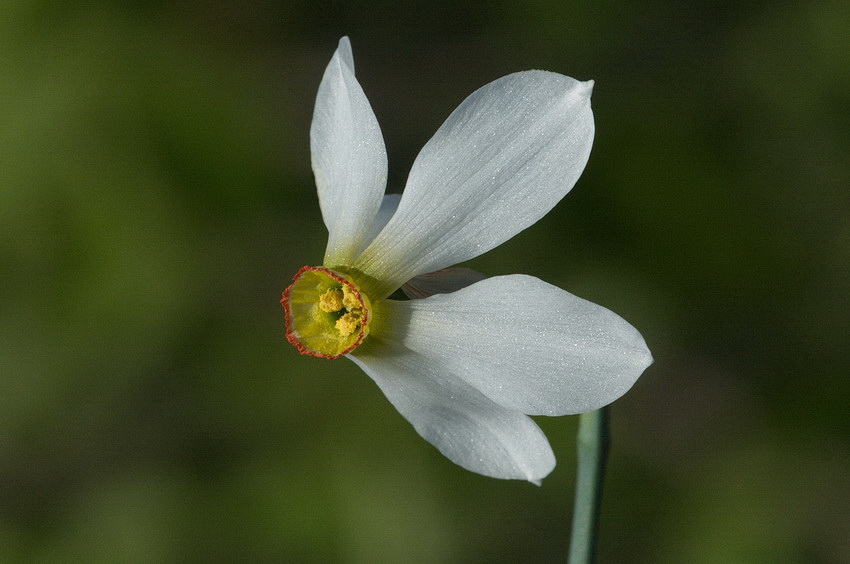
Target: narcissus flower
468 358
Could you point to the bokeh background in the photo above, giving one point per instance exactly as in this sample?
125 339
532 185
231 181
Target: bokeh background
156 197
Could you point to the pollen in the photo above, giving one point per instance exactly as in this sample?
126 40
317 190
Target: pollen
348 323
350 299
343 301
332 301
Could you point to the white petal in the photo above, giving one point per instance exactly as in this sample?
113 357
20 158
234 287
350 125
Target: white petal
500 162
469 429
349 158
388 207
525 344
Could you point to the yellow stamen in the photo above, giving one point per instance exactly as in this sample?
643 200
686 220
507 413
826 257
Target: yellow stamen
349 299
332 300
348 324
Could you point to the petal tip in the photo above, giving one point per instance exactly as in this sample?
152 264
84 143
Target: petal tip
647 359
345 53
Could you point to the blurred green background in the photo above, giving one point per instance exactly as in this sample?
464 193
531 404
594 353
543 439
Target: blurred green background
156 197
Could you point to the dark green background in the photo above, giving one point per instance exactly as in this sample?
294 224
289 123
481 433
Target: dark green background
156 197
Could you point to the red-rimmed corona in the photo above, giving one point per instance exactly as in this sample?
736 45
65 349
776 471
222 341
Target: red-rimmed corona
326 313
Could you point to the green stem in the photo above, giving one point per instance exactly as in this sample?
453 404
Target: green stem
593 442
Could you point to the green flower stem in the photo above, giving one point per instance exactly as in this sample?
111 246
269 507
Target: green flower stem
593 442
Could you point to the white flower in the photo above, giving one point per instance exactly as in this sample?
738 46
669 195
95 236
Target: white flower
468 366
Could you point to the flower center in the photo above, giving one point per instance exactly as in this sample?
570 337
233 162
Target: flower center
326 313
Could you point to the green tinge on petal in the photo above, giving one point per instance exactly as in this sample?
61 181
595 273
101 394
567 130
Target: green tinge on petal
319 325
